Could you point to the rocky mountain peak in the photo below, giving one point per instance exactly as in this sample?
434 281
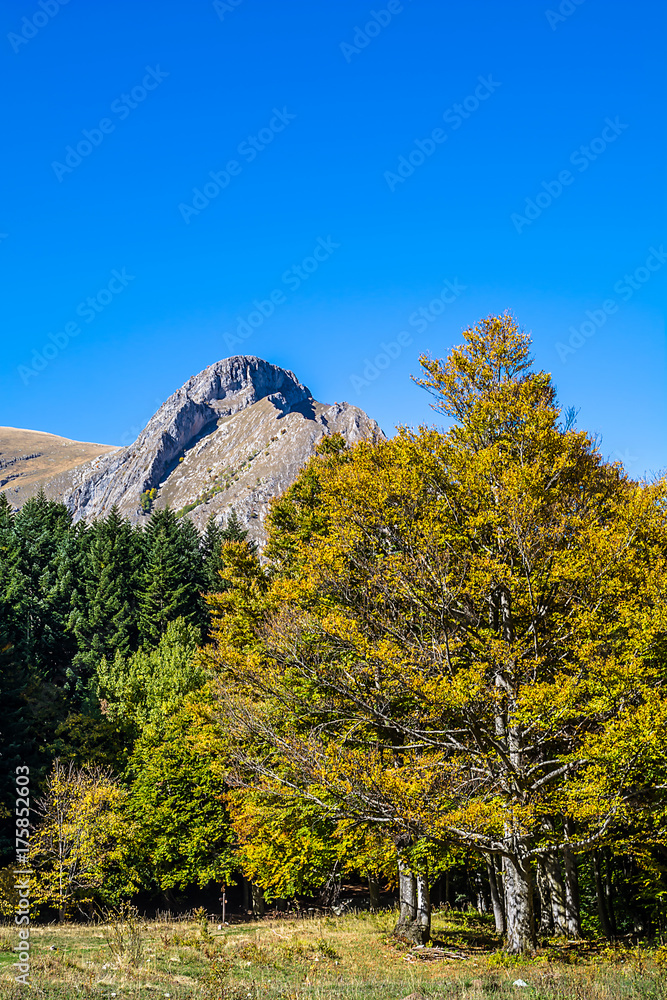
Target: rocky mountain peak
234 435
218 391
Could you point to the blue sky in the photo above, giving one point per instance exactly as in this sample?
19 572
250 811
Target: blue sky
355 182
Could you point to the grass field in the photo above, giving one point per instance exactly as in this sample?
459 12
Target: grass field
352 957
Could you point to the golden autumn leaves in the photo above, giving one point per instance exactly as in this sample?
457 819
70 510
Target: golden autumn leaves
457 634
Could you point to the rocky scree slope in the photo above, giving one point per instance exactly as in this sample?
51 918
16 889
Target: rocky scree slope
235 435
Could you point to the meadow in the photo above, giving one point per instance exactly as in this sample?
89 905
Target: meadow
352 957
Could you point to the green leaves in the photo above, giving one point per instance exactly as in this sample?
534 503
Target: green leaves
176 799
146 685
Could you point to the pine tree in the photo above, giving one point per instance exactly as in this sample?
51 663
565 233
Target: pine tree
107 620
69 599
8 555
189 545
6 512
16 746
233 530
40 601
211 547
33 640
172 578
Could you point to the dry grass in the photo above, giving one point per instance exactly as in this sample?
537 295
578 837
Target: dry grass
22 477
352 958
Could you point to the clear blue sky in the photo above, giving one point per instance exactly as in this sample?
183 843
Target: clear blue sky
171 92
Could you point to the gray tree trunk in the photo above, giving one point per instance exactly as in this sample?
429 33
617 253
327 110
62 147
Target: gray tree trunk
423 918
518 880
407 895
414 904
257 901
555 882
572 903
546 915
480 898
556 893
519 906
496 897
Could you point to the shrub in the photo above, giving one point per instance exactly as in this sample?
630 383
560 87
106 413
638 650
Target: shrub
123 932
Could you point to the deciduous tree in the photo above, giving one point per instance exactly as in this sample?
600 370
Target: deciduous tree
454 617
80 844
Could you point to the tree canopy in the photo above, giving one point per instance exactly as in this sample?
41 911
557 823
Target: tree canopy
449 657
461 626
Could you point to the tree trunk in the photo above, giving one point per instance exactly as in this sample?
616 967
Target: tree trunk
600 896
555 882
546 914
245 888
572 904
496 898
480 898
556 893
423 918
519 906
407 894
373 893
257 901
518 880
413 903
609 892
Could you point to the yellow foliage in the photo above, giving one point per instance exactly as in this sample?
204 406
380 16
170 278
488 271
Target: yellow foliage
460 633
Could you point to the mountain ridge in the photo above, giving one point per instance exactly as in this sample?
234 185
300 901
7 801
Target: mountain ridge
234 435
29 458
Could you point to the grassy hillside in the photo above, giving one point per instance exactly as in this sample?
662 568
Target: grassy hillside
29 459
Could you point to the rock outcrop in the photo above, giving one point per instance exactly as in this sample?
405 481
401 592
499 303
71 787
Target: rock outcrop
233 436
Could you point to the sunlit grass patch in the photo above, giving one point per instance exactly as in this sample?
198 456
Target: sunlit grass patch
353 957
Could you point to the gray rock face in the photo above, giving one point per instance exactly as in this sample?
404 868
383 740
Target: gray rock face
233 436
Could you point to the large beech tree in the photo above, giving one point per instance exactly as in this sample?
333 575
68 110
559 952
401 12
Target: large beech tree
453 628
